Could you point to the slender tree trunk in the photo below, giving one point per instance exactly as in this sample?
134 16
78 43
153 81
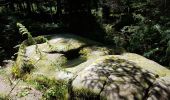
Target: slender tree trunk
11 5
59 9
28 6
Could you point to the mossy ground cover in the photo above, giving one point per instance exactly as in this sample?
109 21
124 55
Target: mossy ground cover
51 88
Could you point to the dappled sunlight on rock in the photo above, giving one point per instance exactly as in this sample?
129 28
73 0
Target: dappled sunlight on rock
88 70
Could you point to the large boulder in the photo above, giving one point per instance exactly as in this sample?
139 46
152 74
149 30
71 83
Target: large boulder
60 51
111 77
83 69
128 76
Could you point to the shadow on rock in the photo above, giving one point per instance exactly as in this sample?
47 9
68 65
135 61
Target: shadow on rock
114 79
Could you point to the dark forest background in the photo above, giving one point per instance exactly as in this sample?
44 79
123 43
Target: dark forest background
139 26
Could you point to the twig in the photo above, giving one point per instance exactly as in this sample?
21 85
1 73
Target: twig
13 87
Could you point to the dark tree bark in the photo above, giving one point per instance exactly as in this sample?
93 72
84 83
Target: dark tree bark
28 3
59 9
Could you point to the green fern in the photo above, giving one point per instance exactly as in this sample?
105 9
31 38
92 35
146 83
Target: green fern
31 41
23 66
24 31
17 68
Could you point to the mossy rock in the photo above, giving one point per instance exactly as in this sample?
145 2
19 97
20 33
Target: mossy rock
45 61
146 64
86 94
93 72
94 51
113 78
128 76
52 55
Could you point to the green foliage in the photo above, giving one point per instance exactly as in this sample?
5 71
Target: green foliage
56 92
16 68
31 41
148 54
40 39
21 66
4 97
24 31
24 66
86 94
140 26
51 88
24 92
27 67
16 71
147 38
60 63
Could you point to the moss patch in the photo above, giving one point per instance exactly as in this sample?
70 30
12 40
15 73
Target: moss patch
86 94
4 97
51 88
94 51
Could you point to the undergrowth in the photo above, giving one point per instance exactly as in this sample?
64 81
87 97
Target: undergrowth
140 26
52 89
23 66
